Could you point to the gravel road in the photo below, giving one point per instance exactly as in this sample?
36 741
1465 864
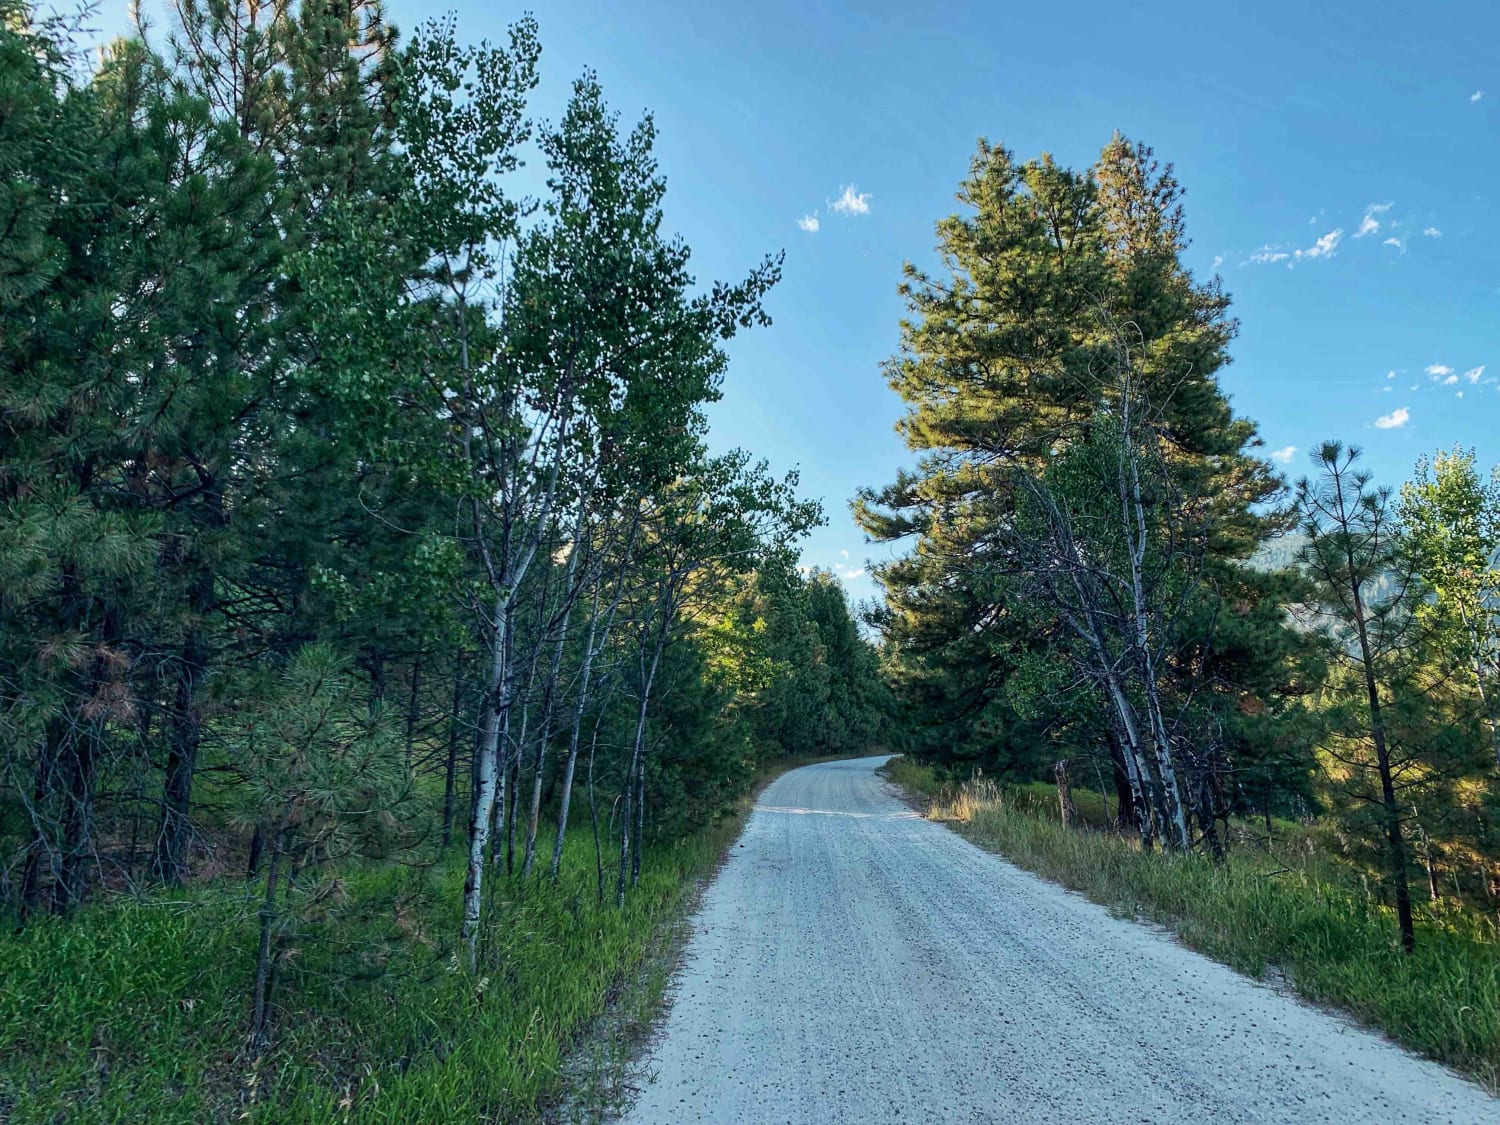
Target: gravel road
856 963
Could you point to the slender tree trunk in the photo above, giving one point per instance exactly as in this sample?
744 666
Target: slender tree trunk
1206 817
1393 831
1127 816
640 822
257 846
1066 808
571 764
598 637
487 779
1429 864
594 818
539 763
637 759
41 856
1170 793
1137 768
549 691
625 831
264 961
413 703
82 752
513 813
184 736
450 769
515 751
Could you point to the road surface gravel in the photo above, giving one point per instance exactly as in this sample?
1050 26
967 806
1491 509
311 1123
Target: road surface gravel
854 962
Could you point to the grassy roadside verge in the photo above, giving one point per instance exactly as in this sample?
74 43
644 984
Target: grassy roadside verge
1256 912
134 1010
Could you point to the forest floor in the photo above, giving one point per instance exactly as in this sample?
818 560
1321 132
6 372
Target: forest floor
854 961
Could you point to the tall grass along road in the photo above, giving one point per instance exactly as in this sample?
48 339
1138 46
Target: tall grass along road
854 962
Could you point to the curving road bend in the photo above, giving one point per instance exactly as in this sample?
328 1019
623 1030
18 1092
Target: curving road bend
856 963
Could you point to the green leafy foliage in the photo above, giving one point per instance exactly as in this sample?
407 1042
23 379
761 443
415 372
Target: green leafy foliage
352 504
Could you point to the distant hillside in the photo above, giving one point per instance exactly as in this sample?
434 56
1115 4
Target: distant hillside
1279 553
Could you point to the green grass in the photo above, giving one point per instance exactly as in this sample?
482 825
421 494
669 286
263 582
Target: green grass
135 1009
1260 909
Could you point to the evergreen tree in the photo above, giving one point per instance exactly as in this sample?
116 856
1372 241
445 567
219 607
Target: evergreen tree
1008 361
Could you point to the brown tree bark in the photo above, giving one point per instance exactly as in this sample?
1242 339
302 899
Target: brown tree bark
1066 808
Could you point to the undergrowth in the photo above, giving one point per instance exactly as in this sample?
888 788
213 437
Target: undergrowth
1262 907
135 1008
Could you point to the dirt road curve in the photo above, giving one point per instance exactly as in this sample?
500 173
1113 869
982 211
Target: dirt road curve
855 963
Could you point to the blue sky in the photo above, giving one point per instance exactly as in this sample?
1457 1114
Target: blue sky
1340 162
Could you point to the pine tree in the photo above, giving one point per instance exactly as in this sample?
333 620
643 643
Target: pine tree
1007 362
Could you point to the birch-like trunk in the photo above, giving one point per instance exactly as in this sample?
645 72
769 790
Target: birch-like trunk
488 776
549 692
1133 512
570 766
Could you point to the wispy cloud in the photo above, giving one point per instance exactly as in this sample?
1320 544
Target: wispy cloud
1284 455
809 223
1396 242
1325 246
1394 420
1390 374
1474 374
1477 95
1438 370
1370 224
1218 261
1432 232
1267 254
1450 380
852 202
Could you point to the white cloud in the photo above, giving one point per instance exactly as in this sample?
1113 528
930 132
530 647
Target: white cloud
1396 242
1438 370
852 202
1218 261
1476 96
844 553
1284 455
1390 374
1474 374
1266 254
809 223
853 574
1432 232
1394 420
1460 394
1386 389
1370 224
1325 246
1450 380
